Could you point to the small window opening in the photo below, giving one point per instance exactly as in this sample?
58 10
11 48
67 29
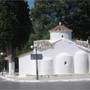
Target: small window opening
65 63
62 36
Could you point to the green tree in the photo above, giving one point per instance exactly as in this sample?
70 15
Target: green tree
15 25
78 17
43 17
75 14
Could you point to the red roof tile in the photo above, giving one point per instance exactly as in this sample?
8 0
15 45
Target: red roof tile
60 28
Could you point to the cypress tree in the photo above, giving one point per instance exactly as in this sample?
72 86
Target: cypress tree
15 25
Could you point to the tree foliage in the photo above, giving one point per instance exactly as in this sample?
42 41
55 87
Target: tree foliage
15 25
73 13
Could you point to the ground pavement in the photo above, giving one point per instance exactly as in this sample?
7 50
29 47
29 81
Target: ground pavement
46 78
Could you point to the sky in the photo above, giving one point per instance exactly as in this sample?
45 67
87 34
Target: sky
30 2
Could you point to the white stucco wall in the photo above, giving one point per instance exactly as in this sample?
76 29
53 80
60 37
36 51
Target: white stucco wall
81 62
60 47
28 67
89 61
46 67
63 64
54 36
67 47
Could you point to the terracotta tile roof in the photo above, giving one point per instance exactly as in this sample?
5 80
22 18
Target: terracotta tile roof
60 28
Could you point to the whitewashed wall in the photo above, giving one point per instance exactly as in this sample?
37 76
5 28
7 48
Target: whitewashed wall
28 67
54 36
63 64
89 61
67 47
60 47
81 62
46 67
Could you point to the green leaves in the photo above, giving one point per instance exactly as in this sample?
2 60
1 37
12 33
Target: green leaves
15 25
73 13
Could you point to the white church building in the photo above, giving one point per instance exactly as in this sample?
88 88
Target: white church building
60 55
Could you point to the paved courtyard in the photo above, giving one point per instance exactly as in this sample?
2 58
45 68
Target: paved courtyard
47 78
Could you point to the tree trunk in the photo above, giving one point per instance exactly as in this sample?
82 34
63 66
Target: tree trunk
11 65
11 54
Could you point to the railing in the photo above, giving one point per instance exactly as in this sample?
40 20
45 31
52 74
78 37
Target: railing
83 43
